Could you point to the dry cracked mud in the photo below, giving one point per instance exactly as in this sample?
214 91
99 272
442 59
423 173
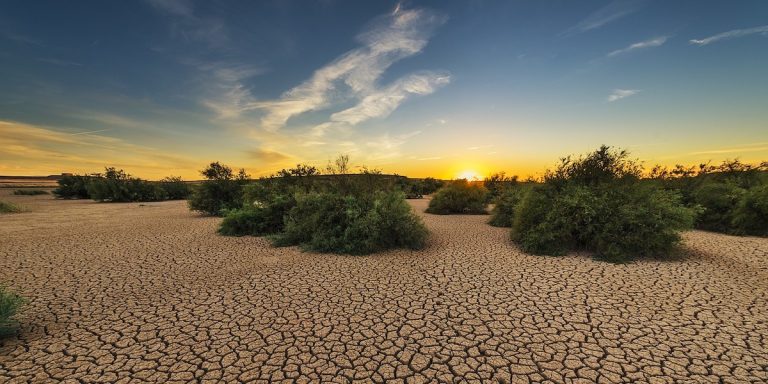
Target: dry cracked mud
124 293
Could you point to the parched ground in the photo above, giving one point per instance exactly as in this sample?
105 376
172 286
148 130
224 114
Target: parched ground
149 293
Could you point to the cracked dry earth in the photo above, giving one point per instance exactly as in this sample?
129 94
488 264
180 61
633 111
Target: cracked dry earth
125 293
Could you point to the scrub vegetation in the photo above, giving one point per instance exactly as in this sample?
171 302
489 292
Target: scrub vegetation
337 212
9 306
115 185
459 197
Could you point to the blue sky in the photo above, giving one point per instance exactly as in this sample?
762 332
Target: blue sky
436 88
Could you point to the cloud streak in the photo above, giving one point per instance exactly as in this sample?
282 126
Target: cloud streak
619 94
355 74
655 42
190 26
763 30
605 15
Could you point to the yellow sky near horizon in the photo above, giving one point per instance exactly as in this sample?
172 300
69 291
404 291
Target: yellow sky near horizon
29 150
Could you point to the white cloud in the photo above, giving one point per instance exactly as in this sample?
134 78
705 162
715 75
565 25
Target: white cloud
355 74
619 94
189 26
731 34
643 44
380 103
607 14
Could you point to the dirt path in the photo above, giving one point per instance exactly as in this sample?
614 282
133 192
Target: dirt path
130 293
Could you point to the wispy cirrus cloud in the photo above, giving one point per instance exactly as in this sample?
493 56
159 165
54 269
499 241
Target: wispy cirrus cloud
619 94
756 147
355 74
613 11
189 26
655 42
763 30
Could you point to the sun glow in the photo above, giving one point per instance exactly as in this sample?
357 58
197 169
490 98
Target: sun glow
470 175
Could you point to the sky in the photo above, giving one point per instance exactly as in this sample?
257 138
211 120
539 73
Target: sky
418 88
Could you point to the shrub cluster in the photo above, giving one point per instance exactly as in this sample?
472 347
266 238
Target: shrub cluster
598 203
9 306
338 213
6 207
115 185
73 187
331 222
731 196
459 197
221 191
498 183
30 192
504 207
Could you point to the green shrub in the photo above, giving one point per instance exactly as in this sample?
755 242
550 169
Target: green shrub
497 183
428 186
117 186
6 207
72 187
597 203
617 222
332 222
9 306
262 217
30 192
750 217
220 192
503 210
718 201
459 196
175 188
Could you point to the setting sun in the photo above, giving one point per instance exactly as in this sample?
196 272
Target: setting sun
470 175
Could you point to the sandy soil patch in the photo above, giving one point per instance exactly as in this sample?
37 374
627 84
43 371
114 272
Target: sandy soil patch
149 293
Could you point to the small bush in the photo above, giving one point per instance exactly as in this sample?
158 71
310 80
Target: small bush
6 207
9 306
750 217
503 210
72 187
331 222
30 192
220 192
459 196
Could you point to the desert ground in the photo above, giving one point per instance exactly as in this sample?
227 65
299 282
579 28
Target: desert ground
149 292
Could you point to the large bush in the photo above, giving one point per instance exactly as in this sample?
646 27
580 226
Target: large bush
597 203
718 201
72 187
117 186
503 210
221 191
332 222
750 217
459 196
339 213
9 306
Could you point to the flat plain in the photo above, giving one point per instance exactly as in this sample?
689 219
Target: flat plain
149 292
